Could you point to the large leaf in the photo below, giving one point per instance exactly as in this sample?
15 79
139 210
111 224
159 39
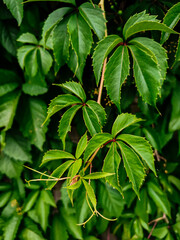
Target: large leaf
8 105
56 155
171 19
16 8
53 19
93 15
61 43
155 50
122 121
90 193
58 172
141 147
61 102
143 22
102 50
133 165
17 147
98 110
147 75
8 81
97 141
116 73
111 165
81 37
65 122
81 146
174 123
28 38
75 88
91 121
11 227
34 114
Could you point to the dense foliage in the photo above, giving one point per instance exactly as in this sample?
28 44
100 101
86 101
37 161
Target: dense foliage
89 120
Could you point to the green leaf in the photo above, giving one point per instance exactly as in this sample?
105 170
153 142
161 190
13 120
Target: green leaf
31 62
122 121
61 102
53 19
81 146
91 120
142 205
28 234
147 75
65 122
177 58
90 193
171 19
56 155
34 114
144 22
58 172
160 232
80 36
96 141
4 197
174 123
30 201
65 1
22 53
48 198
98 175
75 88
133 165
93 15
141 147
75 185
46 60
61 43
98 110
74 169
174 180
28 38
154 49
11 227
16 8
8 105
17 147
58 230
159 197
8 81
110 200
116 73
102 50
111 165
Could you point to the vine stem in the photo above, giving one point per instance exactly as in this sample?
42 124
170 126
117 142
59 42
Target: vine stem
101 5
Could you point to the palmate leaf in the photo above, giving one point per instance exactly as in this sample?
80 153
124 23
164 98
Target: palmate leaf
45 60
93 15
28 38
111 165
16 8
102 50
22 52
31 62
147 75
171 19
80 36
116 73
141 147
133 166
81 146
98 110
65 122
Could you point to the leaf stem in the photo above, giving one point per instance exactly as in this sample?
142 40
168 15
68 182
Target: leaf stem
91 159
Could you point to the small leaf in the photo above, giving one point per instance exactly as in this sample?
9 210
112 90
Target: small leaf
141 147
58 229
93 15
111 164
46 60
75 88
31 63
116 73
81 146
75 168
56 155
22 53
147 75
80 36
98 175
177 58
133 165
102 50
11 227
58 172
98 110
30 201
75 185
91 121
96 141
171 19
16 8
122 121
28 38
65 122
4 198
90 193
